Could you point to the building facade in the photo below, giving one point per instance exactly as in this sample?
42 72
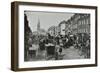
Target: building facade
62 27
51 30
78 23
57 30
27 37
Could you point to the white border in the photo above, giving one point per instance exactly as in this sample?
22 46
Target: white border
33 64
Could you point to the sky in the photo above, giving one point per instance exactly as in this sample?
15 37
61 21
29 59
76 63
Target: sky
46 19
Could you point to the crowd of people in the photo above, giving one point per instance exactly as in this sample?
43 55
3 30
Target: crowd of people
54 45
58 43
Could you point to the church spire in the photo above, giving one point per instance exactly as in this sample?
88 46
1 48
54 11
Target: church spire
38 25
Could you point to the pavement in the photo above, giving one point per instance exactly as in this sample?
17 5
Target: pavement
67 54
72 53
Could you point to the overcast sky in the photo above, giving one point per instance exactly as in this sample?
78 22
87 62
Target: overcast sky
46 19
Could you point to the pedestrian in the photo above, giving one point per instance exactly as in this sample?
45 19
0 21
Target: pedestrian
60 50
56 52
56 55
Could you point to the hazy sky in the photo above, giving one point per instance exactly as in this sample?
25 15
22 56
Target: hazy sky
46 19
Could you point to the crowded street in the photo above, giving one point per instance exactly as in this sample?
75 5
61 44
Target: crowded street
69 39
